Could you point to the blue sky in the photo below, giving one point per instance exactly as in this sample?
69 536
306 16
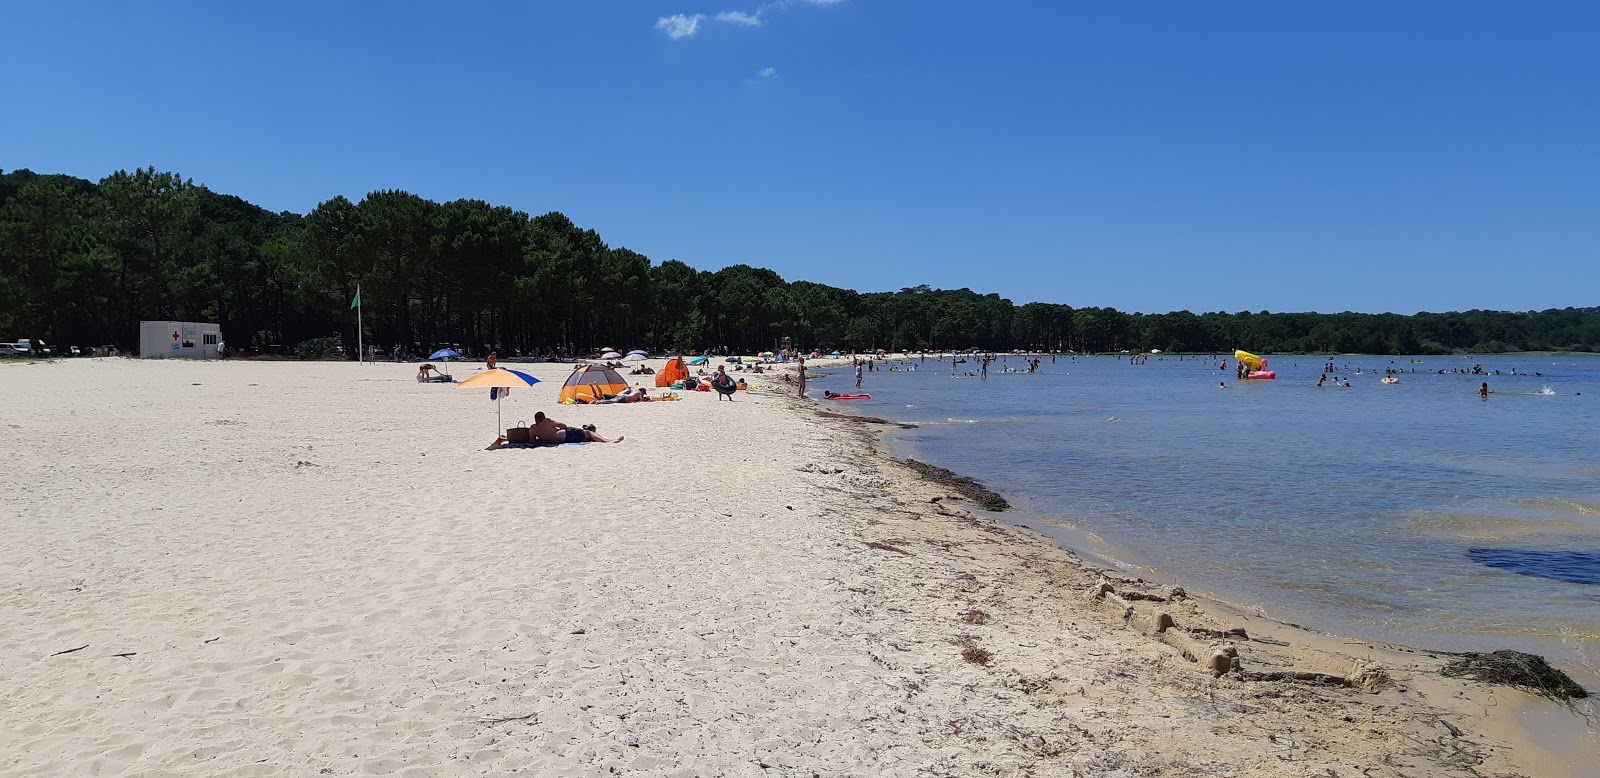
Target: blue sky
1155 156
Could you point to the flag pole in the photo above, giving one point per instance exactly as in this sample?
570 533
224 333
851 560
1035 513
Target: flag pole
361 344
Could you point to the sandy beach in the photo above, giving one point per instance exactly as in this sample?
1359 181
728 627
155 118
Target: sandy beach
310 568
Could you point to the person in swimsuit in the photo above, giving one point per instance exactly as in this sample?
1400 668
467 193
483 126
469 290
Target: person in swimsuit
723 383
548 430
635 395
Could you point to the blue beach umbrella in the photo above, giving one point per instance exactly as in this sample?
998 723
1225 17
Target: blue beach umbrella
697 361
445 354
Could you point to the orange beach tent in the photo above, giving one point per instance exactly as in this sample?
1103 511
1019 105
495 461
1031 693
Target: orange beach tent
591 382
674 371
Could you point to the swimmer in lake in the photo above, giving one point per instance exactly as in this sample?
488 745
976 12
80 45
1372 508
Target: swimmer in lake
1483 390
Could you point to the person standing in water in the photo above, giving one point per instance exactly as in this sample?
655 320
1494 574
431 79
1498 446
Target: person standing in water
1483 390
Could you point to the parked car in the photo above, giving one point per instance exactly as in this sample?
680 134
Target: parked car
77 352
20 348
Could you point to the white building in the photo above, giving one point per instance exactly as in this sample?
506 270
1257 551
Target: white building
178 340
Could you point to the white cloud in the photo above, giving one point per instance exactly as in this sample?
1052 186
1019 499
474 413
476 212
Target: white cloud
768 73
679 26
740 17
826 2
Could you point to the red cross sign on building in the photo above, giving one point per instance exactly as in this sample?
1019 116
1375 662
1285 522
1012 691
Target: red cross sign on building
174 334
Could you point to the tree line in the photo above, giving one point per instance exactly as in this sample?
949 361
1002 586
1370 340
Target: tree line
83 262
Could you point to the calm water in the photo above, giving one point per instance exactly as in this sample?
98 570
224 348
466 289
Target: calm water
1416 513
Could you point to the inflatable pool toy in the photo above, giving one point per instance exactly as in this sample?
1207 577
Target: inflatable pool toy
1250 360
1389 379
851 397
1261 374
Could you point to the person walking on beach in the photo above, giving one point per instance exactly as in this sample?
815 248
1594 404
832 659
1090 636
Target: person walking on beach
858 375
490 360
723 383
802 377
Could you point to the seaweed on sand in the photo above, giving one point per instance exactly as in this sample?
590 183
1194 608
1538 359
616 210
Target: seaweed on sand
1515 668
864 419
986 498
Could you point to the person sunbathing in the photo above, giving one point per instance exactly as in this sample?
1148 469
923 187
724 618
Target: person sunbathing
548 430
635 395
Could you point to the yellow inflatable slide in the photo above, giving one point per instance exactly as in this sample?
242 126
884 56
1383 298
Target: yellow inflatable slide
1253 361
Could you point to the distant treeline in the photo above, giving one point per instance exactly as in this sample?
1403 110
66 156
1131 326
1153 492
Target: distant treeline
83 262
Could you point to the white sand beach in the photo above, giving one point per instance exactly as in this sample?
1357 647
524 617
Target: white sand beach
288 568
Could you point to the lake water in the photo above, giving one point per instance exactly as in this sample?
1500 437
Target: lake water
1415 512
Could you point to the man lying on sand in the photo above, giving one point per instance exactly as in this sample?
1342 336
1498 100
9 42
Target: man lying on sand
548 430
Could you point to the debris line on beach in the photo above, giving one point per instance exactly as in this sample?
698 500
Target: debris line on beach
986 498
1515 668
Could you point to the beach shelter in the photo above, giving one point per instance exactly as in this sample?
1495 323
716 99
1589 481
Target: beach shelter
674 371
497 381
591 382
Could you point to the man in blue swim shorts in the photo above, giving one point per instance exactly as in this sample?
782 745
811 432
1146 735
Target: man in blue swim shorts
548 430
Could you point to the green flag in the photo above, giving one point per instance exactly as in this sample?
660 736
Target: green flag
356 303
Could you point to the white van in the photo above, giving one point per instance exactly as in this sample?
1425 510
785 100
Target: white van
19 349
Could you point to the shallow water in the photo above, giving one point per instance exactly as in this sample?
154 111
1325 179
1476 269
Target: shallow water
1415 512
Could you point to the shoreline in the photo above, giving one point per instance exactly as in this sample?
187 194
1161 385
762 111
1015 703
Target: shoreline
317 569
1525 726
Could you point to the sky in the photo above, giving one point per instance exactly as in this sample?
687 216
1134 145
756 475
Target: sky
1149 156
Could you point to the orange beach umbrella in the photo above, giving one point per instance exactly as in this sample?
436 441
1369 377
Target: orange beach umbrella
497 380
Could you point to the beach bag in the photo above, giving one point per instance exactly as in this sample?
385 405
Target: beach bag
519 434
